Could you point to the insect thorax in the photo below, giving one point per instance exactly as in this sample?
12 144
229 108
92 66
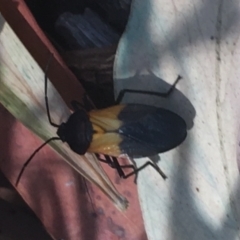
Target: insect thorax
77 132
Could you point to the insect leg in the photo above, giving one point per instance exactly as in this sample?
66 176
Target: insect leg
76 105
113 163
134 167
87 104
123 175
33 154
107 160
145 165
166 94
46 97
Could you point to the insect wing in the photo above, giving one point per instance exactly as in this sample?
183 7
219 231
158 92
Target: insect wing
147 130
135 129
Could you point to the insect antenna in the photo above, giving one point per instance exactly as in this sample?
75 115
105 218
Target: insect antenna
31 157
45 91
49 119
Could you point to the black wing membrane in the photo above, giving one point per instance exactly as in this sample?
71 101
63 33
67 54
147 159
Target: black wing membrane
148 130
143 131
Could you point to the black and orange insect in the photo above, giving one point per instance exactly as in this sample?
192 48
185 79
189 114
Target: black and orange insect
136 130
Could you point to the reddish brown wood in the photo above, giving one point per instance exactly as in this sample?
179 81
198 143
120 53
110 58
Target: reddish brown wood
24 25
